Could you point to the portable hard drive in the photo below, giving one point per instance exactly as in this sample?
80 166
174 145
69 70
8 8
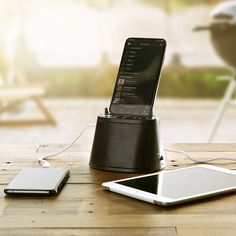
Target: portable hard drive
43 181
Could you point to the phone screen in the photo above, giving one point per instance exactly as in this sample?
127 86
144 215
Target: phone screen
138 77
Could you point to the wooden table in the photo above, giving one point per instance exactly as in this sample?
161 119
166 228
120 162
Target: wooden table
84 208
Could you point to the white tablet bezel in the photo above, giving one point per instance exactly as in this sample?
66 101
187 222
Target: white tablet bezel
164 201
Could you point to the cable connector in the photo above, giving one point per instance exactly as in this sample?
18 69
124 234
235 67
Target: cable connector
106 111
43 163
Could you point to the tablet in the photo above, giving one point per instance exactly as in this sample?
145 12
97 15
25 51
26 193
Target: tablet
168 188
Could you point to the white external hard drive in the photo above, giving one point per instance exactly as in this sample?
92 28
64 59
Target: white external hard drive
42 181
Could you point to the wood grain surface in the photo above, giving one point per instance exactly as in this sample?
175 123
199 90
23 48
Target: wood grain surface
84 208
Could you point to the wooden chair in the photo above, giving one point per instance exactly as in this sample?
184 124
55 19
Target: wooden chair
12 96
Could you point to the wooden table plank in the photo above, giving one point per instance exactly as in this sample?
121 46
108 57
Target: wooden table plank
201 147
194 147
125 221
149 231
207 232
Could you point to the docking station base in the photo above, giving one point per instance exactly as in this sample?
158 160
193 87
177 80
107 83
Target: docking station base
127 145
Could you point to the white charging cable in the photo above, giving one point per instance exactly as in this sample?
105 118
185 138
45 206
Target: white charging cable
199 161
46 164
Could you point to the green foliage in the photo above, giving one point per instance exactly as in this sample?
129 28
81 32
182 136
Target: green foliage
82 82
99 82
193 83
173 5
93 82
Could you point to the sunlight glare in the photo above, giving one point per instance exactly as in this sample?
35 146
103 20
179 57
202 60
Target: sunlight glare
66 35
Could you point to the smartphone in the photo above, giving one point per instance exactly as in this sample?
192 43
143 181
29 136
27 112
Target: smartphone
138 77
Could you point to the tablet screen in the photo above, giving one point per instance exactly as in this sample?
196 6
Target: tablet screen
183 183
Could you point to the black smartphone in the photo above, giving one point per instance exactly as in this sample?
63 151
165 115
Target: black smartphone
138 77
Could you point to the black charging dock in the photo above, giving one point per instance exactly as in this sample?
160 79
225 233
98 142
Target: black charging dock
127 145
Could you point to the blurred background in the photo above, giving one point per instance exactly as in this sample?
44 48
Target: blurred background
59 60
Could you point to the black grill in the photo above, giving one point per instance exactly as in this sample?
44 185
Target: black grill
223 32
